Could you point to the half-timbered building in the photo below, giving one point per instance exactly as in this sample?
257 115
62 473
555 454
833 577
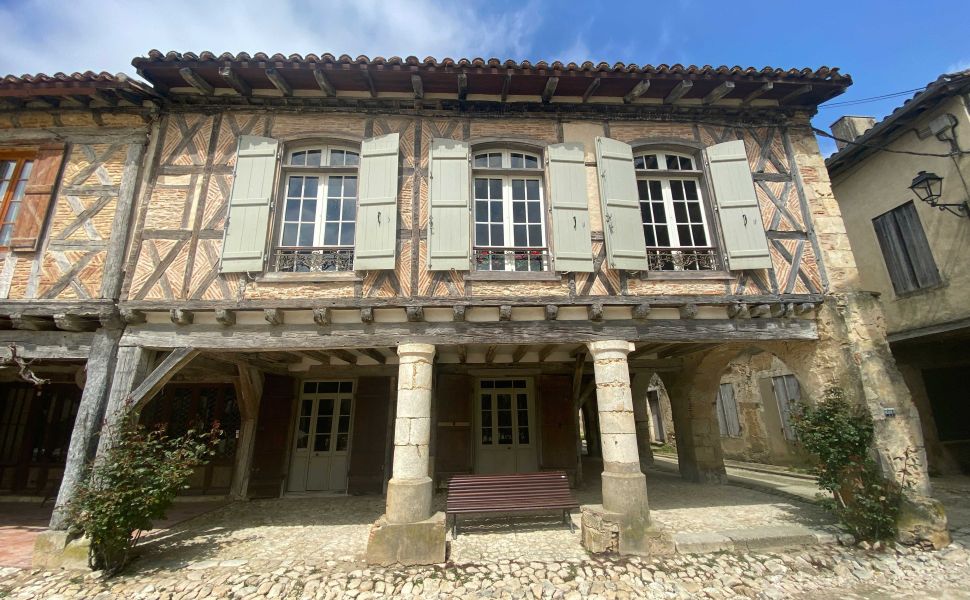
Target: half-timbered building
378 273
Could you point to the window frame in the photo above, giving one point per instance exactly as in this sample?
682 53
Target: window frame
287 260
507 174
704 260
19 158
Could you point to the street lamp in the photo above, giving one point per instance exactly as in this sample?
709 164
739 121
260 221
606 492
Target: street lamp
928 187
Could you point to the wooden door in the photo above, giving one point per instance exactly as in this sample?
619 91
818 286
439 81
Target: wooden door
453 407
272 430
557 421
367 461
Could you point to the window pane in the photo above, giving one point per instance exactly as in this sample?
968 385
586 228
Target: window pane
342 441
531 162
292 212
298 159
347 234
337 158
680 212
677 190
699 238
309 210
518 189
519 233
294 187
495 160
646 215
518 161
310 187
333 209
535 235
532 189
289 234
518 212
683 232
639 163
352 158
496 212
335 186
347 387
535 215
5 232
672 163
659 213
330 232
663 237
694 212
651 161
349 209
648 235
481 160
313 158
306 234
686 163
498 235
350 187
495 188
656 190
481 235
481 210
643 189
690 190
481 188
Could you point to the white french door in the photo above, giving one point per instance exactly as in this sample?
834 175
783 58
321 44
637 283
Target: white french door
321 448
505 422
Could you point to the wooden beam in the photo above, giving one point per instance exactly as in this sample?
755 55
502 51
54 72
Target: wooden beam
370 81
69 322
545 351
345 355
520 352
325 86
273 316
761 91
225 317
367 315
800 90
684 350
552 312
719 92
180 316
760 311
193 79
490 354
462 354
276 78
738 310
375 354
506 84
591 88
804 308
647 349
595 312
418 86
458 313
678 92
638 90
415 314
321 316
550 90
321 356
505 312
235 81
462 86
32 322
103 96
156 380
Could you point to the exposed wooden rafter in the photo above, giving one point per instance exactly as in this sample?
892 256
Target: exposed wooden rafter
520 352
490 354
679 91
719 92
193 79
550 89
273 316
800 90
225 317
638 90
591 88
506 85
545 351
325 86
276 78
462 86
235 81
418 86
761 91
180 316
375 354
161 375
371 87
109 99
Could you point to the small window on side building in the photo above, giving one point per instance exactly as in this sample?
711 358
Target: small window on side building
906 250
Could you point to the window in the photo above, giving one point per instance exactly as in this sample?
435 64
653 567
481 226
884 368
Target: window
509 212
14 173
727 411
673 214
319 210
905 249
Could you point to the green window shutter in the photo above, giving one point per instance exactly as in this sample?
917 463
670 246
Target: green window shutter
252 192
376 231
622 224
448 241
745 244
573 250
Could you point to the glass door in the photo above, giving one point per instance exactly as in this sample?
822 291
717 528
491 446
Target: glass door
505 416
322 441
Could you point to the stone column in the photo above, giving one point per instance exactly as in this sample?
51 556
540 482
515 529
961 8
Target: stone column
624 485
408 533
693 398
641 415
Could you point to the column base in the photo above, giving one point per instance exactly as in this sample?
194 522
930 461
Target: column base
607 532
409 500
421 543
57 549
922 522
625 504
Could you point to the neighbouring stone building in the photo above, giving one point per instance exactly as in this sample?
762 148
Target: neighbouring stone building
377 273
913 253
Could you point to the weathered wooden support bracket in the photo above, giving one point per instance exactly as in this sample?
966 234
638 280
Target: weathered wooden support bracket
105 97
193 79
738 310
789 311
595 312
719 92
156 380
181 316
800 90
552 312
68 322
550 89
371 87
462 86
225 317
415 314
231 76
638 90
325 86
31 322
418 86
777 310
761 91
505 312
375 354
490 354
760 311
276 78
545 351
273 316
679 91
345 355
641 311
133 317
462 354
688 311
458 313
804 308
321 316
520 352
591 88
506 84
367 315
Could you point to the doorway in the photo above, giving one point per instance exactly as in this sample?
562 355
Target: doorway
656 417
321 446
505 418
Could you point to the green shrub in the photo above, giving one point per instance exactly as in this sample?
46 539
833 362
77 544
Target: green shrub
132 485
841 437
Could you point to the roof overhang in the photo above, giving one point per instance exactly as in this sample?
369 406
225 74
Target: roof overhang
78 89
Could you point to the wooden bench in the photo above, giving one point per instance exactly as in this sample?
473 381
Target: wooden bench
522 492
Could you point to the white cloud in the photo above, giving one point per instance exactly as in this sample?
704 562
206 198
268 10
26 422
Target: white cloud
960 65
42 36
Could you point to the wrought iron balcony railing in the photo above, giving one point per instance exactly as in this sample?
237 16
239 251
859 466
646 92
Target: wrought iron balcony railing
682 259
312 259
511 259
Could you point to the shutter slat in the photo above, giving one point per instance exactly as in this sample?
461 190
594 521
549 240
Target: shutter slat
745 242
914 239
37 199
244 242
376 231
448 236
626 247
572 243
894 253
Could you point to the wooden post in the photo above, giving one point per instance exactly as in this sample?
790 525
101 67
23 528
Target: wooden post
121 226
90 412
250 395
130 368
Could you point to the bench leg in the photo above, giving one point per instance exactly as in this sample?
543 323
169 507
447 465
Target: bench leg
566 515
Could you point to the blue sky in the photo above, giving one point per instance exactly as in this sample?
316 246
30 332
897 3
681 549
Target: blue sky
887 46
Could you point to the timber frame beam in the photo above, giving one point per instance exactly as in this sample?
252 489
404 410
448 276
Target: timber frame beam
161 375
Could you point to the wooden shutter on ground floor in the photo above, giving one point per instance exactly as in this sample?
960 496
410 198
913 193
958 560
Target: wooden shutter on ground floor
454 434
626 247
557 423
727 411
244 243
376 233
448 227
271 444
787 394
572 244
368 448
37 198
736 203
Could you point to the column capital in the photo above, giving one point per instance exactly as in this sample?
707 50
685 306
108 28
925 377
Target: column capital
610 349
425 351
